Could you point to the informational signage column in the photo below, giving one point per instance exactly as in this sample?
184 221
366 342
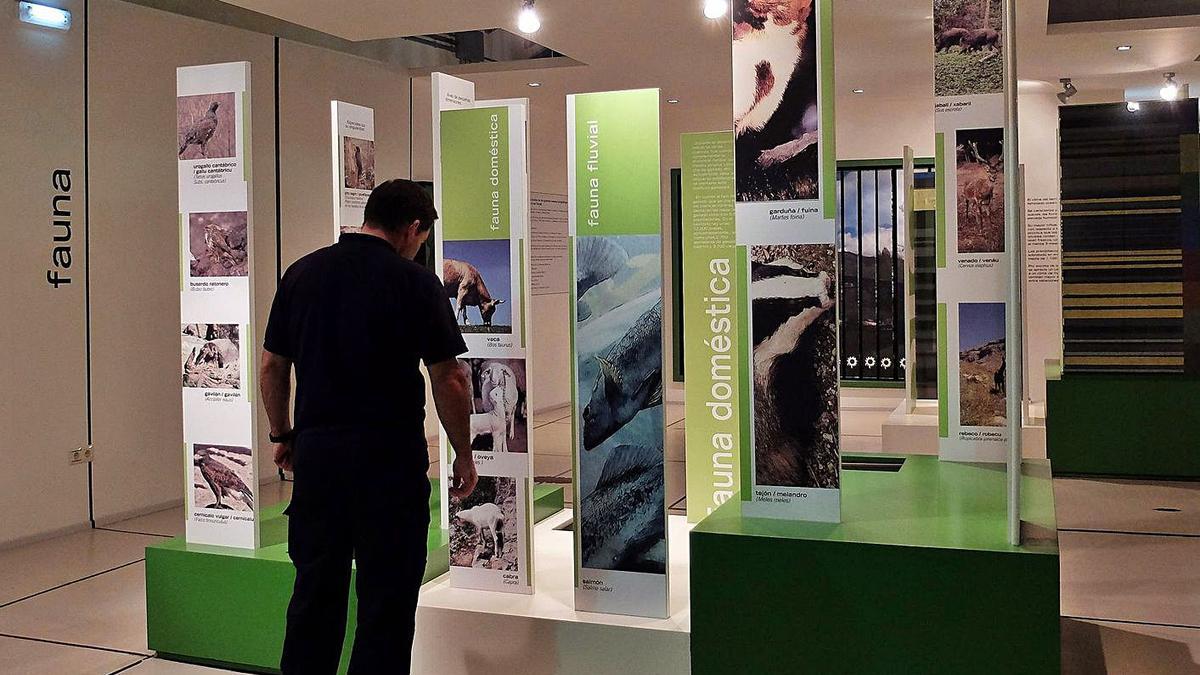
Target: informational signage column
616 339
786 205
216 296
353 164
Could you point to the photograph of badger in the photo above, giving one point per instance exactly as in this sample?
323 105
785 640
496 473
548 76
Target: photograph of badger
793 298
217 244
206 126
499 413
618 340
211 356
981 361
477 276
776 117
484 530
221 477
358 163
980 173
967 37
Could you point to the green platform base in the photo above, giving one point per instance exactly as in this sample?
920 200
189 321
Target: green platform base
218 606
917 578
1141 426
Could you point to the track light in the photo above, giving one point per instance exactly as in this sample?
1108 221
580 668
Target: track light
528 20
1133 106
1068 91
44 15
1170 89
715 9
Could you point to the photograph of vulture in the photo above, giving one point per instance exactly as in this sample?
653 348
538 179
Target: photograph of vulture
220 477
205 126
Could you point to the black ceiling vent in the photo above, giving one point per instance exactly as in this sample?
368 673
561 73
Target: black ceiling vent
1089 11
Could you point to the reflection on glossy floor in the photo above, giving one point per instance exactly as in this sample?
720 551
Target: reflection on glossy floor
1130 577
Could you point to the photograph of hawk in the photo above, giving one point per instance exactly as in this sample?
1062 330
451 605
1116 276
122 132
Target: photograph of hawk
219 467
217 242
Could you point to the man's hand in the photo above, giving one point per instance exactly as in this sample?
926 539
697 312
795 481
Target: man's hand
283 455
462 483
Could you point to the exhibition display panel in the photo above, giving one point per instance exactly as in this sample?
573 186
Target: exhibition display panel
353 153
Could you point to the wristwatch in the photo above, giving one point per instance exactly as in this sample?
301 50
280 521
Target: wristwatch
284 437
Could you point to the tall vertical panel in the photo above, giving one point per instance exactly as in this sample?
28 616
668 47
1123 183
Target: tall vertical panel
484 248
785 209
972 263
216 303
353 152
616 313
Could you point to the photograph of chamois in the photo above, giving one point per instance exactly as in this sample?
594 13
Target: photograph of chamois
980 170
221 477
206 126
211 356
484 530
358 163
499 413
776 118
966 42
618 341
477 275
793 298
981 361
217 244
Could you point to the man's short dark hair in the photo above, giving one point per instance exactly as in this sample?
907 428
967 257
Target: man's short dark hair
398 202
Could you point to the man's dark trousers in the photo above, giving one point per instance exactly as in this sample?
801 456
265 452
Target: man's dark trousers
361 496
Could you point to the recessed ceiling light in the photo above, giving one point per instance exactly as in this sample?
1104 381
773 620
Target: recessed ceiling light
672 101
857 91
1124 48
535 84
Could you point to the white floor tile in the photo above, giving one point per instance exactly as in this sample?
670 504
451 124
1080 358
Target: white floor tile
27 657
552 439
1099 647
862 444
157 666
1127 505
168 522
551 465
551 415
30 569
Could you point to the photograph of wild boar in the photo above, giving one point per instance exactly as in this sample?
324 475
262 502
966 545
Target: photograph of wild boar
217 244
484 530
358 163
206 126
477 276
499 412
776 117
221 476
980 171
211 356
967 36
981 361
618 340
793 296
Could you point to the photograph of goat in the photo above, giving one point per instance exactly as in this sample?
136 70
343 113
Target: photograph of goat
980 172
221 476
499 414
211 356
217 244
484 530
776 117
793 297
966 43
618 342
358 163
981 365
206 126
477 276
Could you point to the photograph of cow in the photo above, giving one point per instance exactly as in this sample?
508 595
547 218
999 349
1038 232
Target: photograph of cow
967 37
477 276
980 172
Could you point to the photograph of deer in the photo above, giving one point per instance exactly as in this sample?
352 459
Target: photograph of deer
358 163
967 36
206 126
776 118
499 415
484 530
477 276
211 356
981 361
217 244
980 171
221 476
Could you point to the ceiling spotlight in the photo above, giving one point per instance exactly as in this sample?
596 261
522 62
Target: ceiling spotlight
528 20
858 91
672 101
1133 106
535 84
715 9
1170 89
1068 91
1124 48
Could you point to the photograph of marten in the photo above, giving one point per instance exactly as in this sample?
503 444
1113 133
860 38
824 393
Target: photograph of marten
499 412
794 320
980 171
477 276
776 117
981 365
206 127
221 477
358 163
484 530
967 35
211 356
217 244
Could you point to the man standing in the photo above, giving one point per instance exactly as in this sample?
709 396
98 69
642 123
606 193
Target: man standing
354 319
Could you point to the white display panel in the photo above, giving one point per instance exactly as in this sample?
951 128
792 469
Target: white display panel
353 153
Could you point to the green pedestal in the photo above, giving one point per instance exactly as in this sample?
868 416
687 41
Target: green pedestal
1142 426
917 578
222 606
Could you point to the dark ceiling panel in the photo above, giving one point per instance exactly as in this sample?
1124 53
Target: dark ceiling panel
1078 11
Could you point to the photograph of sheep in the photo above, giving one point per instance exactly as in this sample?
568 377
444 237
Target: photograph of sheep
211 356
980 172
477 275
206 126
499 412
358 163
618 346
221 477
793 298
967 36
217 244
484 528
981 361
776 116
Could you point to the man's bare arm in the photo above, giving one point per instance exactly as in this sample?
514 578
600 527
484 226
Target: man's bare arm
452 397
275 383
